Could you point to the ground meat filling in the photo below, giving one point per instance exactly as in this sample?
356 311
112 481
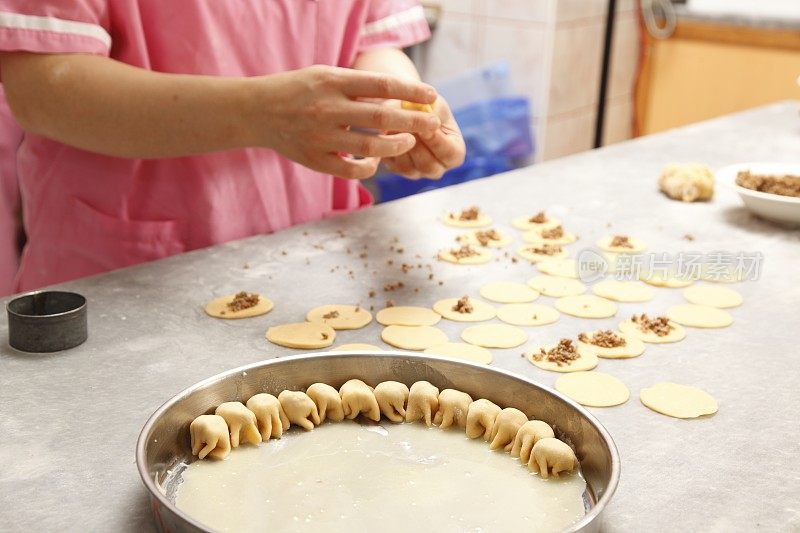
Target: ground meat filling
621 241
545 249
483 237
538 218
332 314
463 305
464 252
659 325
470 213
562 355
242 301
783 185
553 233
603 339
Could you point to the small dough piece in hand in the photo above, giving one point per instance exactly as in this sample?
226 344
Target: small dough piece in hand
721 297
527 314
480 418
239 305
471 217
328 402
413 337
586 306
241 422
506 426
593 389
299 409
272 421
623 291
407 315
392 397
340 316
495 336
528 435
551 456
466 254
508 292
307 335
423 402
461 350
210 437
453 409
621 244
357 398
678 401
699 316
687 182
557 287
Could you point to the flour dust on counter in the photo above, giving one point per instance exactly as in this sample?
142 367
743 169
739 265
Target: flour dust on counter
352 477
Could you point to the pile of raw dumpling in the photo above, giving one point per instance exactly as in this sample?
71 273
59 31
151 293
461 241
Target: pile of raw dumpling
265 416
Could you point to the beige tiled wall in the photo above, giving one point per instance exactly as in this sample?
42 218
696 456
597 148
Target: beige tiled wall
555 51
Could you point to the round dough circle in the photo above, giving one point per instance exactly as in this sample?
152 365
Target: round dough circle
357 347
461 350
623 291
712 296
721 273
586 361
483 256
452 219
407 315
471 238
633 347
495 336
218 308
557 287
480 310
527 314
699 316
562 268
350 316
586 306
677 333
593 389
678 401
508 292
309 335
660 279
413 337
637 245
526 252
535 237
524 223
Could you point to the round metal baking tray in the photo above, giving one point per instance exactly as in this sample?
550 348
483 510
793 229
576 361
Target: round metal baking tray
164 442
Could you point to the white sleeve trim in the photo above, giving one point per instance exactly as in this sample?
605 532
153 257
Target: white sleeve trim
391 22
71 27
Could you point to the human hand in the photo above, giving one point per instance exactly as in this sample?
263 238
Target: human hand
307 116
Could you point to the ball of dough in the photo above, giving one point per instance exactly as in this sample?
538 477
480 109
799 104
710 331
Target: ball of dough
687 182
480 418
241 422
550 456
392 397
328 402
453 408
528 435
210 437
271 419
299 409
423 402
358 398
505 428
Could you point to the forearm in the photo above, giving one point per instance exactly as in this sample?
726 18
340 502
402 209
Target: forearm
387 61
104 106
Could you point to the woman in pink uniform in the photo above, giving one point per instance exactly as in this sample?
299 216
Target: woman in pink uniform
155 127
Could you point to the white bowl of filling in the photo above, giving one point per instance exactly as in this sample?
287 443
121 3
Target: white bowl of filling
366 474
770 190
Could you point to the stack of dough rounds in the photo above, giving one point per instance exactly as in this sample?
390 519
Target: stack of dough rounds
357 347
494 336
562 268
307 335
637 245
471 237
480 310
633 347
218 308
593 389
413 337
677 333
527 314
453 219
526 252
348 316
699 316
678 401
623 291
524 223
535 237
557 287
660 279
587 360
461 350
481 255
508 292
711 296
586 306
407 316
